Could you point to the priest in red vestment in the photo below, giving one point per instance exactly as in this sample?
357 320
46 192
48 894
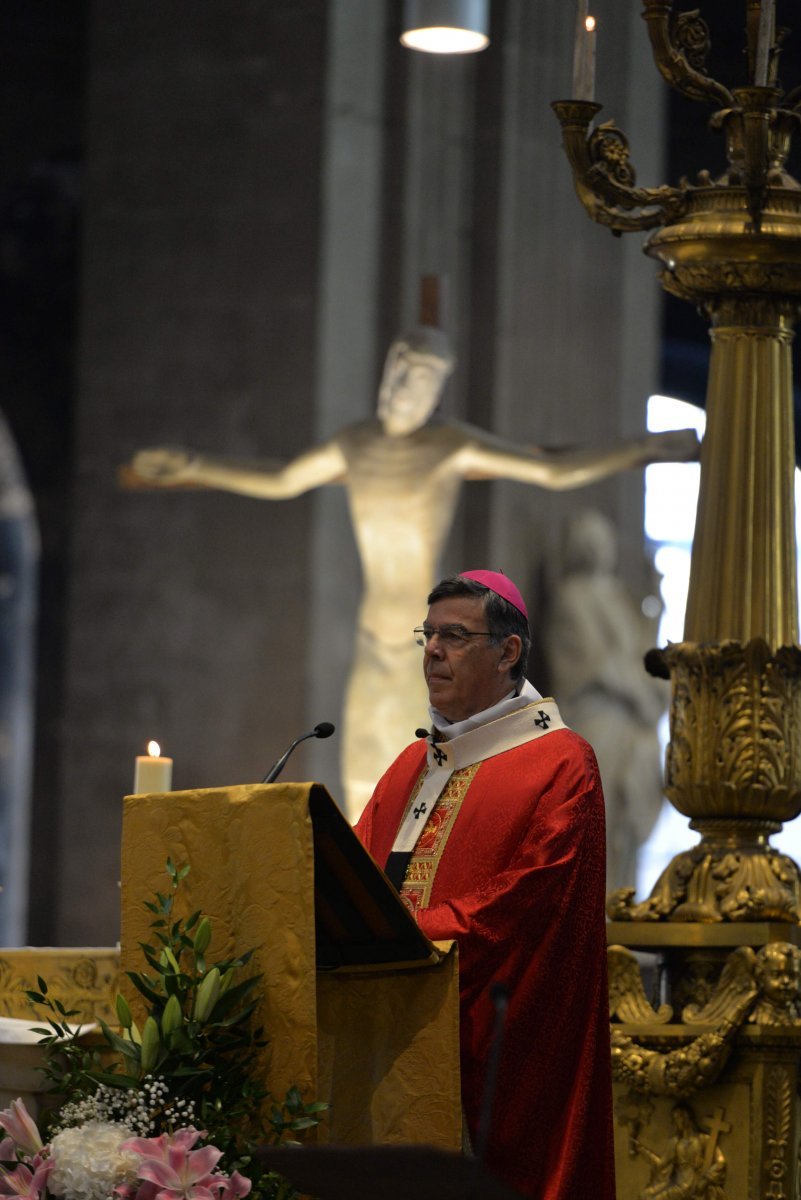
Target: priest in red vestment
492 828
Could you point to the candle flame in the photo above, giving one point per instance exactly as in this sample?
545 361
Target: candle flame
589 24
153 749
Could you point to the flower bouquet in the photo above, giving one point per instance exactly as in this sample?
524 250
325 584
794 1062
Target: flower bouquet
171 1111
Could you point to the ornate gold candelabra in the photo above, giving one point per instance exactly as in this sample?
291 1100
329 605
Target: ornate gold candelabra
732 246
712 1075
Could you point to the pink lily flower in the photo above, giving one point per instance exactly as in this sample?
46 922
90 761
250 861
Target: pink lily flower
178 1171
188 1179
8 1150
22 1181
130 1191
236 1187
20 1125
159 1147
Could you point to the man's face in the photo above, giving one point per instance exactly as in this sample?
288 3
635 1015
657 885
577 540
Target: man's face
410 391
465 680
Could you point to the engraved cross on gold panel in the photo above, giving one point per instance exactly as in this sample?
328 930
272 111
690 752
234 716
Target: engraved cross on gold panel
715 1126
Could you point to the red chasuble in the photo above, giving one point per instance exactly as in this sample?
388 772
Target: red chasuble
512 865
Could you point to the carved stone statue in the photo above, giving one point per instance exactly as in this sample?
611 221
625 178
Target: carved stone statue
403 472
19 558
595 641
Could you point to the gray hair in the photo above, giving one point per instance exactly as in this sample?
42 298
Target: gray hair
503 619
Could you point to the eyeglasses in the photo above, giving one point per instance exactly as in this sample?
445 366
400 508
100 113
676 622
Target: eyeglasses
455 637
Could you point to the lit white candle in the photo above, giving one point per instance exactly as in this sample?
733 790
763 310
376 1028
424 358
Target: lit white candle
588 92
584 58
153 772
765 36
578 46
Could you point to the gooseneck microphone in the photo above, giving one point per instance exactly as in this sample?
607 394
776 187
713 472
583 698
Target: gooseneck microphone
418 733
323 730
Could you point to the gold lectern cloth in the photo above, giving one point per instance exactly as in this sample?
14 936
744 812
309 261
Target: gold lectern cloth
380 1045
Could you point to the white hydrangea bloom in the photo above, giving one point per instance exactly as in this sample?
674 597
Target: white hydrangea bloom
88 1161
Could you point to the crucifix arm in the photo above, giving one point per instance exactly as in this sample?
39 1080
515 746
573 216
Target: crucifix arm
487 457
264 480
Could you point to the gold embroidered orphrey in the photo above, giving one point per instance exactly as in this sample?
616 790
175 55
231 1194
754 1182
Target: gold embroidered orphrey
422 868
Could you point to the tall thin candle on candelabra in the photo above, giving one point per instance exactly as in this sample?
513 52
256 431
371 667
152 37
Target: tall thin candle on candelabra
578 46
765 36
589 51
584 55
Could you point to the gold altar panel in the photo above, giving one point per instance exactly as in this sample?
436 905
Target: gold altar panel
670 1141
391 1035
252 873
742 1131
83 978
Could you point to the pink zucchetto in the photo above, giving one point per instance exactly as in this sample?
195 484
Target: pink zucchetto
500 584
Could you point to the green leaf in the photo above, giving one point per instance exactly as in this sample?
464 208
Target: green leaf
303 1123
41 984
112 1079
153 961
172 984
169 960
122 1045
234 996
145 988
237 1018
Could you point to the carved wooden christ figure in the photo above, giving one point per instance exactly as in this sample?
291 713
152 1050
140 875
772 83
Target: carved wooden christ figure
402 471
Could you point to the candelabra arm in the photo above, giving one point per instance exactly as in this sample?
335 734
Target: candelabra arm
604 177
680 51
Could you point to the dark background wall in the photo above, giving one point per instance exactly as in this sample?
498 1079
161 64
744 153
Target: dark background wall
42 76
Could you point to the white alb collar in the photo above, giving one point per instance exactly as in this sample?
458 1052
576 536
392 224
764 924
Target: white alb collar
511 703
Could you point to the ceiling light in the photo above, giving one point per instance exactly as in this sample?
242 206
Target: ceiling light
446 26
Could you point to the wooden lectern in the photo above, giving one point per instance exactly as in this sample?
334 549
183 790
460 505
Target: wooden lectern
360 1009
